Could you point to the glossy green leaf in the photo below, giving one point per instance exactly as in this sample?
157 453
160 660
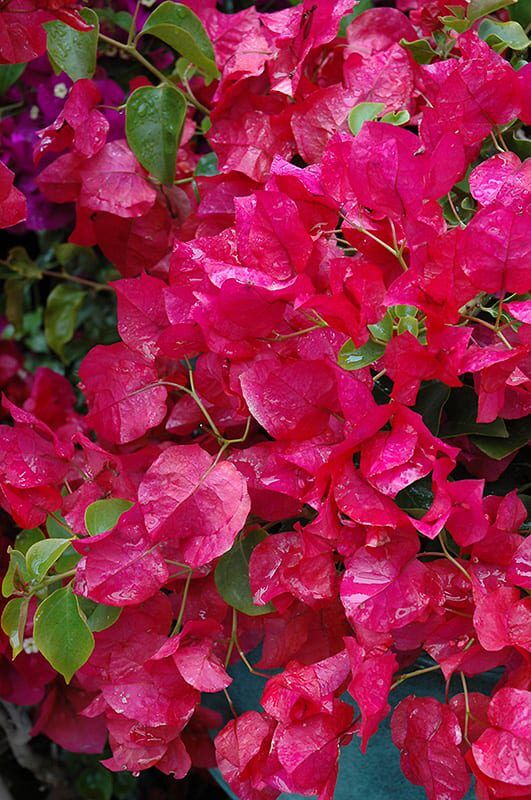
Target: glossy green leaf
99 617
396 117
232 575
153 124
363 112
352 357
519 435
41 556
13 622
61 632
72 51
16 573
9 74
480 8
61 315
405 311
461 414
181 29
431 399
408 325
456 23
102 515
420 49
207 165
24 539
500 35
382 330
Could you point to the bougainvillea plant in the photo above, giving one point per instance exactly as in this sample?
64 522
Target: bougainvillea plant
306 449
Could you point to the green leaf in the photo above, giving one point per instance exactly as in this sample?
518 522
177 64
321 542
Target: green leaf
54 527
102 515
521 12
408 325
154 118
500 35
361 113
405 311
362 6
14 302
382 330
420 49
396 117
61 632
431 399
207 165
43 555
456 23
13 622
120 19
24 539
74 52
519 434
232 575
99 617
461 412
9 74
352 357
19 261
480 8
61 314
16 574
95 783
178 26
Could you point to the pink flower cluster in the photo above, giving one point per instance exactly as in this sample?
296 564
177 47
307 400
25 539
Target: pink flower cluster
224 410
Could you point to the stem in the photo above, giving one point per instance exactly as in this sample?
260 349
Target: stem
177 626
454 211
55 578
132 51
414 674
191 96
450 557
233 634
379 375
132 28
467 704
64 276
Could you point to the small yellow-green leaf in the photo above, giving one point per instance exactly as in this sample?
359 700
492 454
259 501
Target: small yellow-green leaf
43 555
363 112
16 575
102 515
352 357
396 117
13 622
61 632
154 118
178 26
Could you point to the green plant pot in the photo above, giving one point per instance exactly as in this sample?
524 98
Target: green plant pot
375 775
